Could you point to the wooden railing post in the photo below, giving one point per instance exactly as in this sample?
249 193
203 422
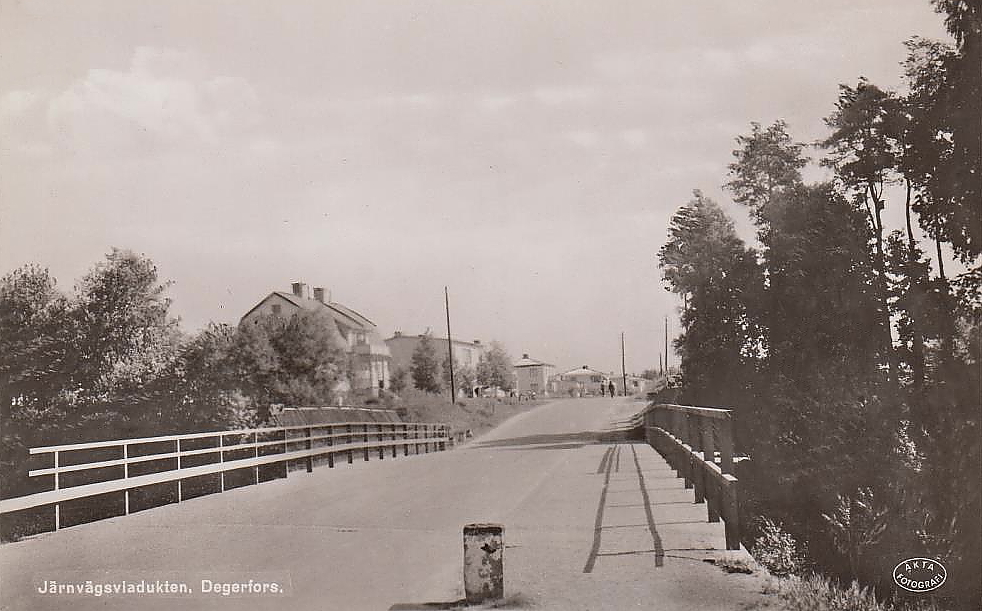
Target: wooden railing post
685 437
405 437
709 456
330 444
179 487
221 459
366 440
381 441
309 445
255 453
57 505
695 463
351 455
731 516
126 475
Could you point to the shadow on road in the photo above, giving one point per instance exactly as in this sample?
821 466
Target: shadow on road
560 441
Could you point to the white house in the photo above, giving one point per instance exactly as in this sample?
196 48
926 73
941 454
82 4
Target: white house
370 356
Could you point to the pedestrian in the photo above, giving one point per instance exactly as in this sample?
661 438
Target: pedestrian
602 389
611 387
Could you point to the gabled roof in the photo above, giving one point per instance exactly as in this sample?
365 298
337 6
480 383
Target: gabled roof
528 362
340 313
584 370
348 316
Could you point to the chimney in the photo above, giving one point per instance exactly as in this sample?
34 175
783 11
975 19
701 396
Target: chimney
319 294
299 289
397 334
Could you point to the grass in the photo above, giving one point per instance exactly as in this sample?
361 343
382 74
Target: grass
817 593
476 415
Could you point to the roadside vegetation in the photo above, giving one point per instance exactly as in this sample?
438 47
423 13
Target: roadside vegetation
851 356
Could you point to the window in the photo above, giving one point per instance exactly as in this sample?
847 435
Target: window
277 309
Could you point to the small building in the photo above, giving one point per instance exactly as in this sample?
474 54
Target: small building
401 347
636 385
370 356
580 382
532 376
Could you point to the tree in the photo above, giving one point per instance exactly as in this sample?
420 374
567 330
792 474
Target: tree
767 162
398 380
495 368
297 361
424 366
864 149
946 103
706 263
463 376
124 336
203 388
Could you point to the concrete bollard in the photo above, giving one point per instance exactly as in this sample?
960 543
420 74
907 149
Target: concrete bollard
484 550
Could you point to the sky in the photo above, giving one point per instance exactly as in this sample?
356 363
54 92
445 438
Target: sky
528 155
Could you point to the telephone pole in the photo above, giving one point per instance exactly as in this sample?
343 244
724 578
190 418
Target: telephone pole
623 368
453 386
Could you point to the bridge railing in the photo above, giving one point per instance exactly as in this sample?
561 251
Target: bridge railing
698 443
196 454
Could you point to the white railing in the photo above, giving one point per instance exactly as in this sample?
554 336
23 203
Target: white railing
224 449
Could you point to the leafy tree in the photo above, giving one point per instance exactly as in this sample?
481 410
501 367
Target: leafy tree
424 366
124 336
708 264
946 103
296 361
864 149
398 380
495 368
37 356
463 376
203 388
767 162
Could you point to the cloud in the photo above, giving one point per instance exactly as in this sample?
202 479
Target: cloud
495 103
556 96
634 138
164 100
583 137
14 103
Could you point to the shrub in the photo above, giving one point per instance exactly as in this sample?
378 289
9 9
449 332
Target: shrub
777 550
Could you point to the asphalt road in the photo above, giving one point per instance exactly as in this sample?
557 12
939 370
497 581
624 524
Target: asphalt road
589 524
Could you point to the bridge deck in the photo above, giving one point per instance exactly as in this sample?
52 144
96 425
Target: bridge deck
589 524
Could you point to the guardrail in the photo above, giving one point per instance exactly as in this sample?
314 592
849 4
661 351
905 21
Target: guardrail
698 443
220 452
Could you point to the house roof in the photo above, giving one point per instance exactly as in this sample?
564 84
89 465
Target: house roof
529 362
584 370
436 339
349 317
341 313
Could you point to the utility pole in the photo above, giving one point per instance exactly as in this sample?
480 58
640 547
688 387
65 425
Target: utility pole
453 385
623 368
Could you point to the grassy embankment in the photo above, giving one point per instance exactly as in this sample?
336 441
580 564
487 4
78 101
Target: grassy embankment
477 415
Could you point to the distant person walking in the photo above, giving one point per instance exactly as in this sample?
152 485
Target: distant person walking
613 392
602 388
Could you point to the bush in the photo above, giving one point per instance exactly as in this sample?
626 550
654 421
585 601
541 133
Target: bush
777 550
